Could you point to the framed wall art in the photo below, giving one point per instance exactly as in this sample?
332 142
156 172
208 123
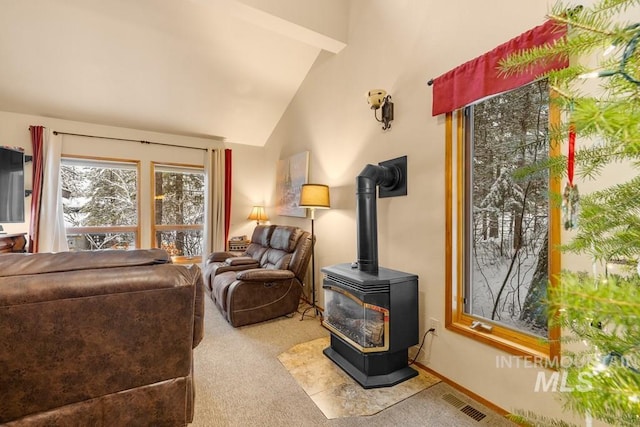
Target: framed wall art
291 173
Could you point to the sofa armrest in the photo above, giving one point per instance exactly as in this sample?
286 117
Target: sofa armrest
220 256
245 261
195 276
264 275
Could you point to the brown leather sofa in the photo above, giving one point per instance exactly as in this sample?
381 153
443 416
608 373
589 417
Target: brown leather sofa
98 339
265 281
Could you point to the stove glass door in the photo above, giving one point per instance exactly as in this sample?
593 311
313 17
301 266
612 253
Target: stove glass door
364 326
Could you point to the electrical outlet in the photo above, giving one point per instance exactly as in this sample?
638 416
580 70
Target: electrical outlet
435 325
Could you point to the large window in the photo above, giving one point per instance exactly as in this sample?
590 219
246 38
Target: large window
178 210
505 222
100 203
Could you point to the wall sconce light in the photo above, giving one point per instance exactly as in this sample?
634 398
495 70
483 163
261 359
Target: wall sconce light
258 214
378 99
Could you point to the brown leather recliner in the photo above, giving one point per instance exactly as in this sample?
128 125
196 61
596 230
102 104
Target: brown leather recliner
98 338
265 281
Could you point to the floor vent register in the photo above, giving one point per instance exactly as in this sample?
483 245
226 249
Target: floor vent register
464 408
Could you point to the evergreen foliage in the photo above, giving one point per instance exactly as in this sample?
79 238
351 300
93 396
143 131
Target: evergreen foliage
601 313
105 195
509 212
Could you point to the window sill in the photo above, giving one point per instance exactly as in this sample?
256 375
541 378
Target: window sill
505 340
186 259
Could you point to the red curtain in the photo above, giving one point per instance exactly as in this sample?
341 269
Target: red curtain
37 133
227 193
480 77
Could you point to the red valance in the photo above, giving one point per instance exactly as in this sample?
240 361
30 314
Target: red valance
480 77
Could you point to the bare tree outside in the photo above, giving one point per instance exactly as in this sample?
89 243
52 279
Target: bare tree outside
507 212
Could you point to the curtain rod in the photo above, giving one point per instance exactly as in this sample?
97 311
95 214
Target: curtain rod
55 132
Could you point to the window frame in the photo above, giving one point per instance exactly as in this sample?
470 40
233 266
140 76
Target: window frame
88 160
509 340
178 259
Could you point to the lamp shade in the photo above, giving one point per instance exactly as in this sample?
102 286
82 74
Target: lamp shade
258 214
314 196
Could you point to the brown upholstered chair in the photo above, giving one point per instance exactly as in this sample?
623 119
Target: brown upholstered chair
265 281
100 338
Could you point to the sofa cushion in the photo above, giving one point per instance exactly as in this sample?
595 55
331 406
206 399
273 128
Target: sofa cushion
255 251
275 258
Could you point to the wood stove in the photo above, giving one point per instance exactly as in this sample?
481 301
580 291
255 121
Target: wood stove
372 312
373 321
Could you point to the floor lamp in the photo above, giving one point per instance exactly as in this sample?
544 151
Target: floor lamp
312 197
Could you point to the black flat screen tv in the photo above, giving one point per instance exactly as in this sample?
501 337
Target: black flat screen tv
11 185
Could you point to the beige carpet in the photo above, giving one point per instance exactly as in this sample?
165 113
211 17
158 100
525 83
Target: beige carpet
334 392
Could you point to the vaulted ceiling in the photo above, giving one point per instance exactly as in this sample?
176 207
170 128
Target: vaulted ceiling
214 68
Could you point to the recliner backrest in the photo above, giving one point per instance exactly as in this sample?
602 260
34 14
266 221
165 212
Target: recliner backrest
301 256
259 241
281 246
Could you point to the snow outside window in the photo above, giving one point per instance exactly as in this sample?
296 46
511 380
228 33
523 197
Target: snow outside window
502 257
100 203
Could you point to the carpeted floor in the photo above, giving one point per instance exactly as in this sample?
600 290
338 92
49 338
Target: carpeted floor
241 382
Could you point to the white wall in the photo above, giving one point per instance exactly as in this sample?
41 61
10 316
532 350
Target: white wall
399 47
14 131
253 181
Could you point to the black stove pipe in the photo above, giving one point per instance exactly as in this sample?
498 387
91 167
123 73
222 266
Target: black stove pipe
366 211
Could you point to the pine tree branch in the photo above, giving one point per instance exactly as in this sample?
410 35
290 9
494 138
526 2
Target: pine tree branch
576 24
603 312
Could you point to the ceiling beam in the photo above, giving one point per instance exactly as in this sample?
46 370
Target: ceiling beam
321 24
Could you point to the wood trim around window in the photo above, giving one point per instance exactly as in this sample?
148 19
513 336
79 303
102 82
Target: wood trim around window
102 229
179 227
555 220
508 340
170 227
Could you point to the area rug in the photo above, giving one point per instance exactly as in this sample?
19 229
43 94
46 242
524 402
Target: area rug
334 392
